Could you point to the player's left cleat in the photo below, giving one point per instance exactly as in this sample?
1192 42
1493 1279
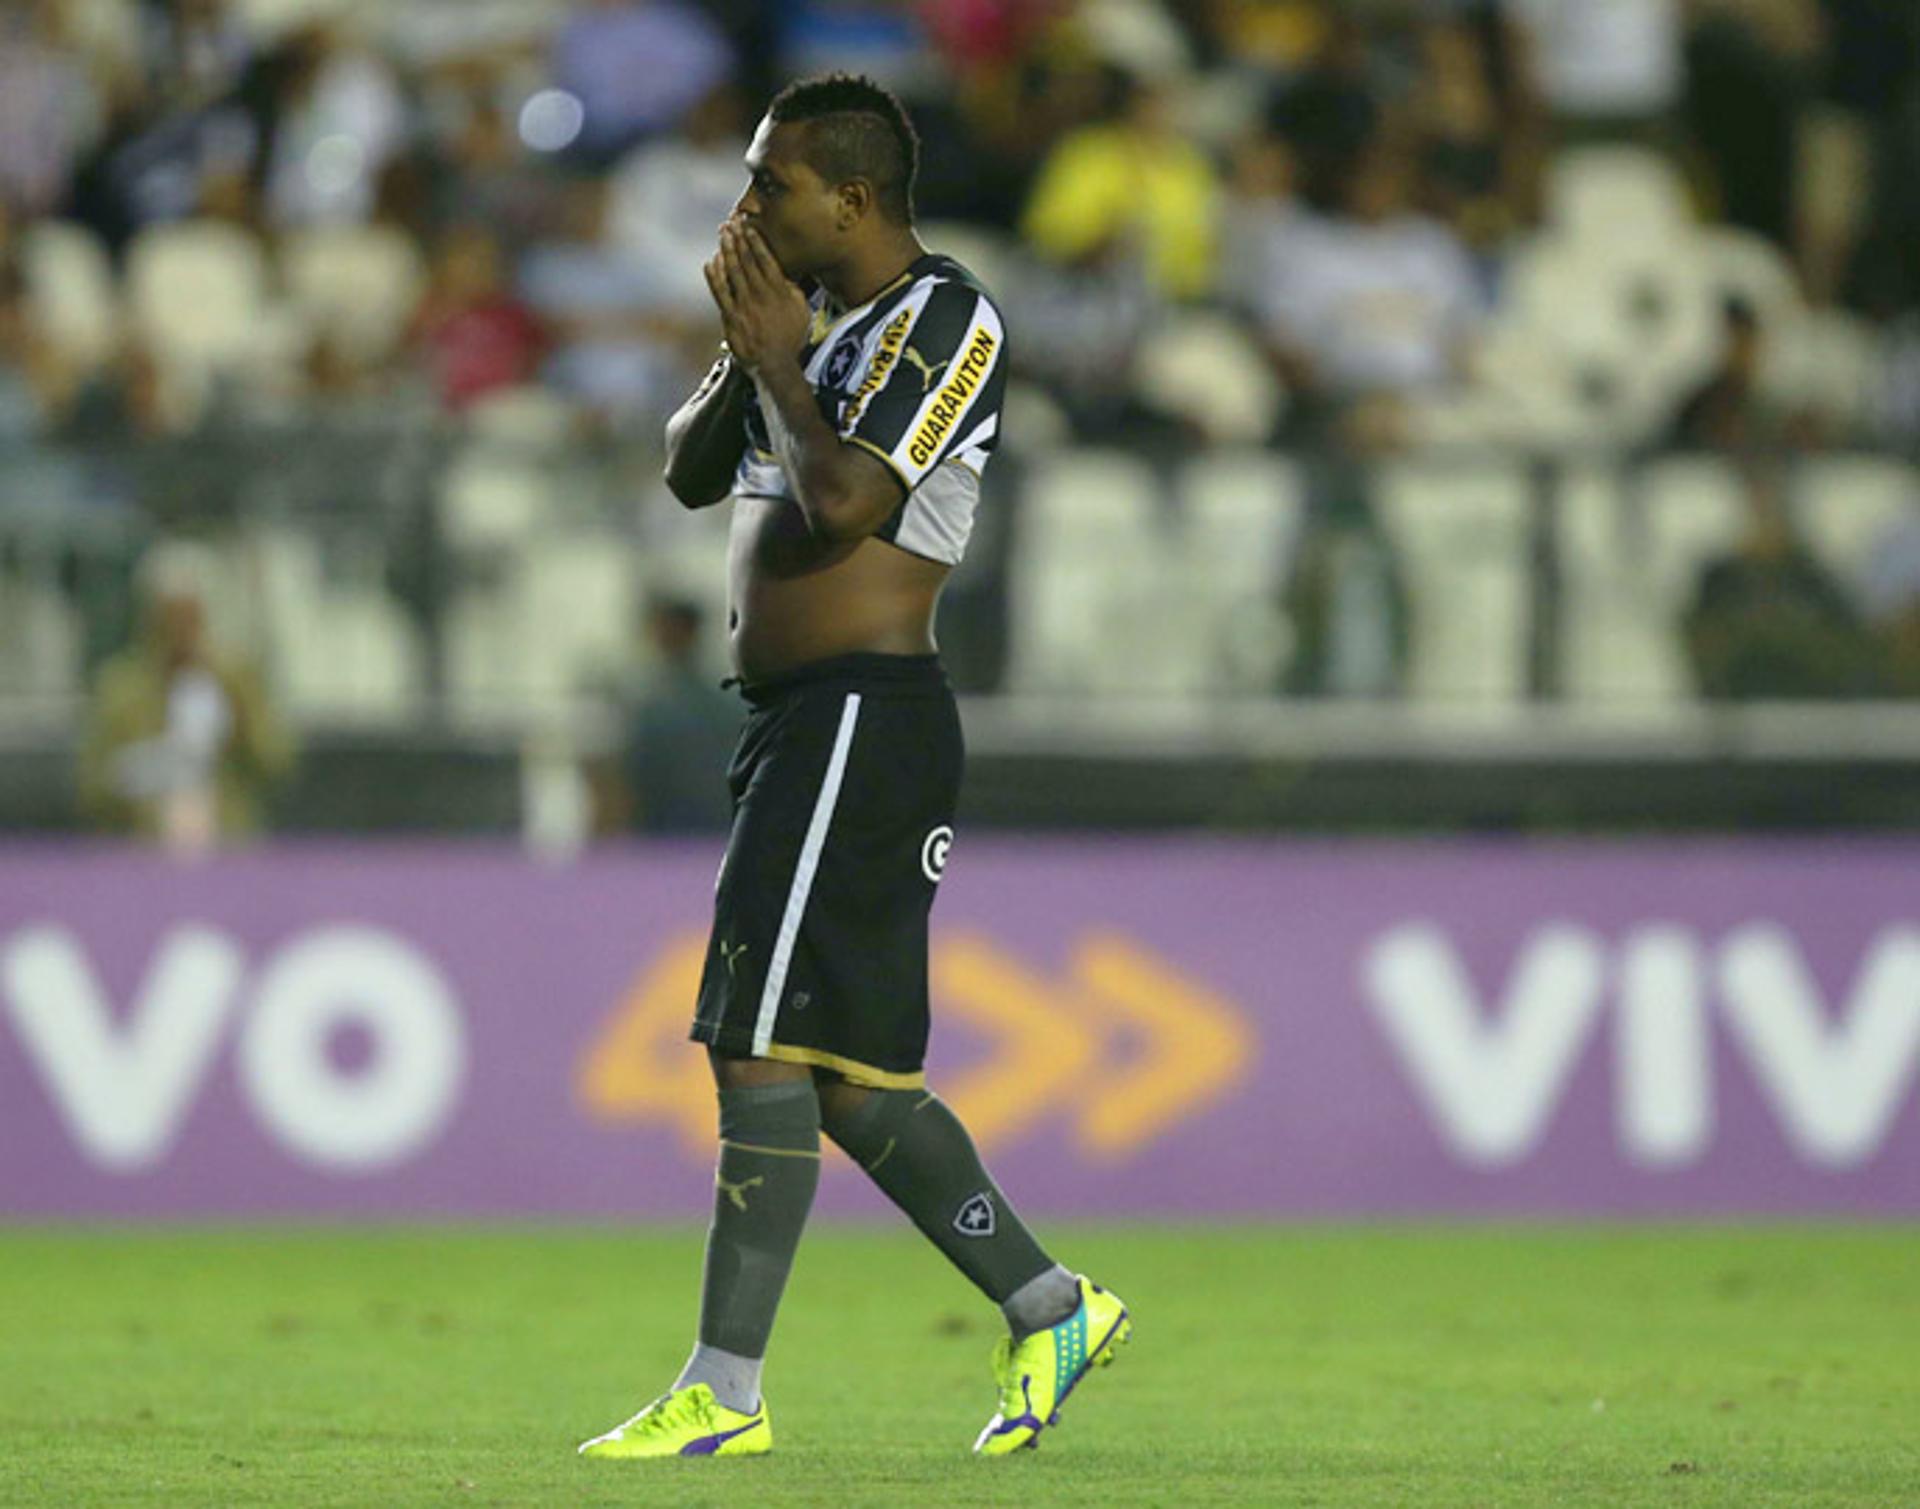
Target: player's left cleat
687 1422
1036 1375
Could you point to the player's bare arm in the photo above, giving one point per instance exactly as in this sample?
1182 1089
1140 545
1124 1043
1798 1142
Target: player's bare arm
844 494
706 436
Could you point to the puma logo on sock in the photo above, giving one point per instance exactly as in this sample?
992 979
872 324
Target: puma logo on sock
738 1192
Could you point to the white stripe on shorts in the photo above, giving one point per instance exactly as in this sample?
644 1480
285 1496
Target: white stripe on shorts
816 840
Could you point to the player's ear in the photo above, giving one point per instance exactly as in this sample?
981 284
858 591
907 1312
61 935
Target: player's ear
856 200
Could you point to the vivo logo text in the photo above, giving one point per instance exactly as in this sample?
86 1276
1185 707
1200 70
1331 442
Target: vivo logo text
125 1088
1491 1073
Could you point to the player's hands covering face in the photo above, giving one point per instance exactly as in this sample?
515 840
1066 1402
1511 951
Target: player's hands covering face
763 315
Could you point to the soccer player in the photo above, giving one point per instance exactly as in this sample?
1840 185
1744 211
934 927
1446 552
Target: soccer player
855 402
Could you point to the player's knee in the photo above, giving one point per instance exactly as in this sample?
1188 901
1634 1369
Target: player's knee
844 1105
863 1121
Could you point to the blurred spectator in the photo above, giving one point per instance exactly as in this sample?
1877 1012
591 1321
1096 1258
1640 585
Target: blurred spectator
1328 112
199 49
981 150
636 66
1130 187
1750 70
1890 589
48 106
338 124
1479 153
1768 621
988 34
1607 68
1869 65
1723 412
181 745
1883 277
1278 38
1732 409
477 170
33 381
151 164
668 198
879 38
678 738
1346 602
1079 331
123 400
1365 306
471 330
606 347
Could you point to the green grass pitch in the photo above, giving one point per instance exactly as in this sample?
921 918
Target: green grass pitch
1272 1365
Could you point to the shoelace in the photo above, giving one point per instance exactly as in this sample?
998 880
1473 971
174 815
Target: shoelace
657 1416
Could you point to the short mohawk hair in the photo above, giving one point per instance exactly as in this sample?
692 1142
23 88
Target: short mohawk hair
856 128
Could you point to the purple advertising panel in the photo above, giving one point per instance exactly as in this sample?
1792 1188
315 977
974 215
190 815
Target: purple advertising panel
1130 1027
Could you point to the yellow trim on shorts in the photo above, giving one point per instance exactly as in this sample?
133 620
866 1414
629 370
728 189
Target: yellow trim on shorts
854 1071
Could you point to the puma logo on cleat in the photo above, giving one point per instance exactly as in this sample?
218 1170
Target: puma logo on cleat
738 1192
927 374
975 1218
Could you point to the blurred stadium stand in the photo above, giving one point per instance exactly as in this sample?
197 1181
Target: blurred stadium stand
1434 560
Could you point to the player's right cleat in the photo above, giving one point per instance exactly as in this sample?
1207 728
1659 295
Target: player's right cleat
687 1422
1036 1375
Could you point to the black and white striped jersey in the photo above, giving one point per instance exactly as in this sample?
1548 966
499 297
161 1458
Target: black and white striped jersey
916 376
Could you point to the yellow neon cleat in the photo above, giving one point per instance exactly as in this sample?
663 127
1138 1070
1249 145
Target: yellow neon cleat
1036 1375
687 1422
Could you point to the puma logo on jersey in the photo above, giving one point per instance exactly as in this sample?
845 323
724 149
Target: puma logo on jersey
927 374
738 1192
731 952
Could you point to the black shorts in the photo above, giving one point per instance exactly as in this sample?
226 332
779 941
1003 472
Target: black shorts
844 785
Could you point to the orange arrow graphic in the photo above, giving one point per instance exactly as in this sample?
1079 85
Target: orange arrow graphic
1055 1046
626 1075
1041 1050
1198 1046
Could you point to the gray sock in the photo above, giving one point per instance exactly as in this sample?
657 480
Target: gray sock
1042 1302
920 1155
735 1380
769 1166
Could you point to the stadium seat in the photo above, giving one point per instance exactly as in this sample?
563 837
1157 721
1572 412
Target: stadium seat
988 255
683 552
1205 369
1844 506
70 290
197 295
488 503
357 283
1088 596
41 631
1632 325
1829 361
557 617
339 646
1617 194
1743 264
520 418
1460 537
1631 551
580 605
1242 512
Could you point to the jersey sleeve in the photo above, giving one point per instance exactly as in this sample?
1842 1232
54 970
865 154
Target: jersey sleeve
933 383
